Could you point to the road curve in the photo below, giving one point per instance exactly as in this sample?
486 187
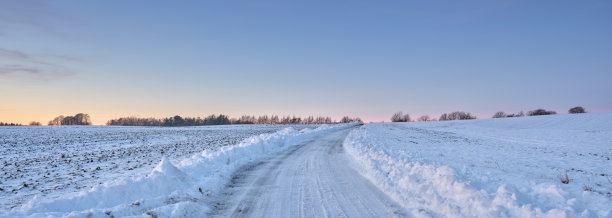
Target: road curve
312 180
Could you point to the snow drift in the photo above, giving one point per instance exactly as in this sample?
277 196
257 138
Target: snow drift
491 168
172 190
53 161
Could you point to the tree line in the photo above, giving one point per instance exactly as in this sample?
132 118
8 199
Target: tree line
9 124
78 119
539 112
457 115
85 119
460 115
33 123
224 120
170 121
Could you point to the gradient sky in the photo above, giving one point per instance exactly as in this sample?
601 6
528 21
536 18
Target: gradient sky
359 58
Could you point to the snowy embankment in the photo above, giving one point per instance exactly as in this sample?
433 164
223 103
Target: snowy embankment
511 167
54 161
172 190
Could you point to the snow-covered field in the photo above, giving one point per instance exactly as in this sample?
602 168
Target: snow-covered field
507 167
510 167
52 161
171 188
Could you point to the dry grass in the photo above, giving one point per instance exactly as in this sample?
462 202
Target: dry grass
587 188
150 213
564 178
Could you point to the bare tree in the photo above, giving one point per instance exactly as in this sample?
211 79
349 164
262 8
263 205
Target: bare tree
82 119
424 118
460 115
400 117
320 119
397 117
406 118
78 119
274 119
56 121
308 120
263 120
347 119
457 115
499 114
443 117
329 120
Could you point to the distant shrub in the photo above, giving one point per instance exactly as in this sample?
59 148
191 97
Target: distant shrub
520 114
539 112
564 178
34 123
457 115
424 118
576 110
400 117
499 114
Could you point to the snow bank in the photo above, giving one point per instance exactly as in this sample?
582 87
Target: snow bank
172 190
491 168
52 161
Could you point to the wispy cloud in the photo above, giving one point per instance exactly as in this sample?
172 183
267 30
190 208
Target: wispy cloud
15 64
10 69
12 54
35 15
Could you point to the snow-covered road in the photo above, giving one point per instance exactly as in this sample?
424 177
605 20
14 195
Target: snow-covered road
312 180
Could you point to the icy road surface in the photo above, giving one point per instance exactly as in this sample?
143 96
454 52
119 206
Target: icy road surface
312 180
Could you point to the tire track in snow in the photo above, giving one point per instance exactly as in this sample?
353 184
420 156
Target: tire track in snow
311 180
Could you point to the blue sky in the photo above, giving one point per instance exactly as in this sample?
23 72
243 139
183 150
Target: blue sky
358 58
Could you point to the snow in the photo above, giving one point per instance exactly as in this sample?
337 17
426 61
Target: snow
51 161
510 167
506 167
179 188
310 180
